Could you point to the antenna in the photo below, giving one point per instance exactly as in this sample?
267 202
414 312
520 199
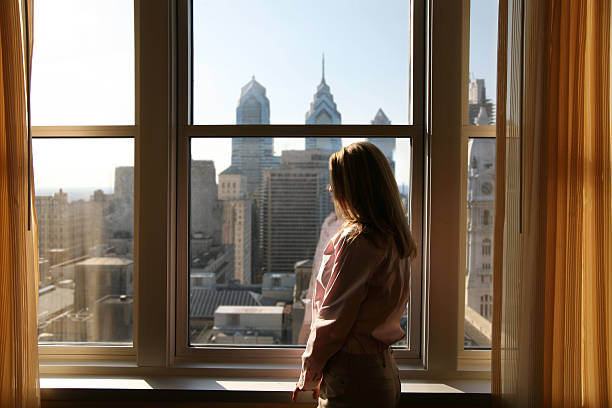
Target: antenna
323 68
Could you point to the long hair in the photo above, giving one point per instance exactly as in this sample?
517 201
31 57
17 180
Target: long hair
366 196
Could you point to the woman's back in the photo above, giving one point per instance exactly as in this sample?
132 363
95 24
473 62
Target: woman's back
362 286
387 289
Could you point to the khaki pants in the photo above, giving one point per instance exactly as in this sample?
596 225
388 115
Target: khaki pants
360 380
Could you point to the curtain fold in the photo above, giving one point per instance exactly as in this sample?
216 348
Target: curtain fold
19 380
552 331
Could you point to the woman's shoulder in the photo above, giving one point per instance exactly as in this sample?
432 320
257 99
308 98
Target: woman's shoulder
350 239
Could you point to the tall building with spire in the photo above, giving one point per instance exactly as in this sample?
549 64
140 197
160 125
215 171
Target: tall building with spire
323 111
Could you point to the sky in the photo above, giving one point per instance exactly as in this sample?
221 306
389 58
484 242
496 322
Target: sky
83 71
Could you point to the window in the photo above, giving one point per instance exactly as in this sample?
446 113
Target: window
83 67
478 144
258 236
83 74
485 217
288 218
486 247
486 303
482 78
191 217
311 72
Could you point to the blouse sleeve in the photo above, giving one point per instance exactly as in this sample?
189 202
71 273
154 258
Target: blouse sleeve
353 266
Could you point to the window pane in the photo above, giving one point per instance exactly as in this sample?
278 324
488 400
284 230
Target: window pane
479 240
483 62
85 210
260 217
83 62
261 62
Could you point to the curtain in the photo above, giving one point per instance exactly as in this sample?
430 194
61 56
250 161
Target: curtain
19 386
552 328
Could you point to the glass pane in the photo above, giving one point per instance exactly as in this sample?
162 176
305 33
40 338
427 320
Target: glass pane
483 62
479 241
84 192
260 218
262 62
83 62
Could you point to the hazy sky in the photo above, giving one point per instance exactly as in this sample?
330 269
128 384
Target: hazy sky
83 71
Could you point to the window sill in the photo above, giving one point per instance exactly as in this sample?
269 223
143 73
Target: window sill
77 389
468 370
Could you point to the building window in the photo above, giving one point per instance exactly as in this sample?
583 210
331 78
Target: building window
486 247
485 217
486 306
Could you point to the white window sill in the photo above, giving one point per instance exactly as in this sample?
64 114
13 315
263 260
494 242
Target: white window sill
190 389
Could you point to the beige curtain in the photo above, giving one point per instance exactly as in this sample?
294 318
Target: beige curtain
552 330
18 242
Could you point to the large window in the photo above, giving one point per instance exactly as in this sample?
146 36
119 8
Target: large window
478 189
83 74
315 62
258 209
180 159
260 216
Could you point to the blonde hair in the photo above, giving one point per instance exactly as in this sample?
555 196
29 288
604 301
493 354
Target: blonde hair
366 196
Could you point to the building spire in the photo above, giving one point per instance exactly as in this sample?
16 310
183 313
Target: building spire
323 68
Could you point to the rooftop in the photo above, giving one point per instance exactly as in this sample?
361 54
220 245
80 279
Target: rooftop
232 170
106 260
250 309
306 263
204 301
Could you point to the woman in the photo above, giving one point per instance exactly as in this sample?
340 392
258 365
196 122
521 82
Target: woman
362 287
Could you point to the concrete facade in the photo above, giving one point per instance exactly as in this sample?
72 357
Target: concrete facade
480 217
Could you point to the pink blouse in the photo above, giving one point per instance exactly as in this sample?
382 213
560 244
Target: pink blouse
360 294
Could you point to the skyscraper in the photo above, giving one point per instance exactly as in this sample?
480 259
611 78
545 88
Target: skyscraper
323 111
295 204
236 220
385 144
205 206
380 118
253 155
253 106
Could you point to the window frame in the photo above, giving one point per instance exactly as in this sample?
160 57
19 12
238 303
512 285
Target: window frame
54 357
466 358
157 217
68 350
186 354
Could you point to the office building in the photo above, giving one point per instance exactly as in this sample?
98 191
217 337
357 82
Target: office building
236 219
295 204
205 206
